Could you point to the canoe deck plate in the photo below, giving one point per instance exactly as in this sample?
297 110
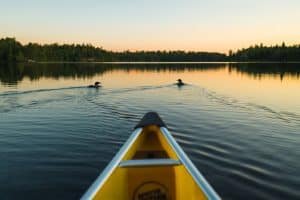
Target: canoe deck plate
151 190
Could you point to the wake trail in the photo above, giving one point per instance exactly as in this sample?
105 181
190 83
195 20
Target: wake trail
39 90
135 89
287 117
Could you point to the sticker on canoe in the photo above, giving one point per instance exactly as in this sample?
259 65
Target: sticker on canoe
151 191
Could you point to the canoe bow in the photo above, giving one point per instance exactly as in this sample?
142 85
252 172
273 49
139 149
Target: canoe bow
150 165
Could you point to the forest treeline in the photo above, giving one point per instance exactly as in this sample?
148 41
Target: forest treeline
260 52
13 51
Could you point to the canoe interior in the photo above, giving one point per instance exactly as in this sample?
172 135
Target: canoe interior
150 182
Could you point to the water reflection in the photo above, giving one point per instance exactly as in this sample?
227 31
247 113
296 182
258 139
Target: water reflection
259 70
12 74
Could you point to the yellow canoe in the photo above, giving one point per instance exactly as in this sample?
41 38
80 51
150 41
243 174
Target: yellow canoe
150 166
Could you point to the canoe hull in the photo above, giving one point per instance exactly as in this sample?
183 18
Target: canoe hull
150 165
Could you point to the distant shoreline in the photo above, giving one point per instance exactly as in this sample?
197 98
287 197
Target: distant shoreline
13 51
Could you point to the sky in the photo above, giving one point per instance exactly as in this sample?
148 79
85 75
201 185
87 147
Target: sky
196 25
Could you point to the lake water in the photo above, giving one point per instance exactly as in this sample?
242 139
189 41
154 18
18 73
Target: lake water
239 123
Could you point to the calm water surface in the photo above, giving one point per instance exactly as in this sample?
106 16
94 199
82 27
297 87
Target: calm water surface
239 124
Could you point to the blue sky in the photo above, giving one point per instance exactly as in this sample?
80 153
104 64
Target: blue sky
208 25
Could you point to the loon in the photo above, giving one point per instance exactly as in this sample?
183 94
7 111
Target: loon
179 83
96 85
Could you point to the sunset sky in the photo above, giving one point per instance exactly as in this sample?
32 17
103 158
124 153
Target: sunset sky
200 25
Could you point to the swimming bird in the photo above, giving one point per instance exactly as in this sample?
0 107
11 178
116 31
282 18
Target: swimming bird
179 83
96 85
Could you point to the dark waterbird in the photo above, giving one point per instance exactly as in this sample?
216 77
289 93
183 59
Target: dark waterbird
96 85
180 83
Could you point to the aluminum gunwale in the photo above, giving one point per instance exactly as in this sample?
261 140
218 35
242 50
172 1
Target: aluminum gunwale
98 183
197 176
